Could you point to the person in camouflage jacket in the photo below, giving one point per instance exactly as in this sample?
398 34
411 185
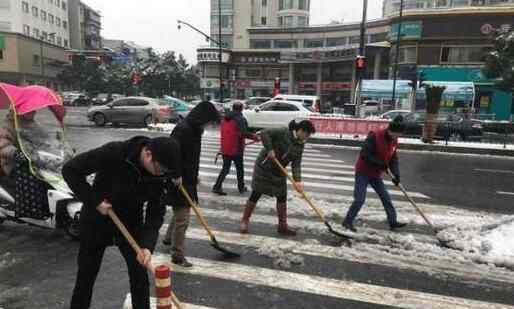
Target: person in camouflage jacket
287 146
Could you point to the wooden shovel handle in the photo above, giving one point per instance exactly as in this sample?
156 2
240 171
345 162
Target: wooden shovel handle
124 231
197 211
302 192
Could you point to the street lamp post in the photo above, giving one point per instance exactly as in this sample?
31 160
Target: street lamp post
220 52
362 53
397 54
41 56
208 38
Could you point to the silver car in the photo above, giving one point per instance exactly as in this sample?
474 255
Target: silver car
130 110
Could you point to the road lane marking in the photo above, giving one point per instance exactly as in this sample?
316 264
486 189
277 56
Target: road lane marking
505 193
309 284
309 184
494 171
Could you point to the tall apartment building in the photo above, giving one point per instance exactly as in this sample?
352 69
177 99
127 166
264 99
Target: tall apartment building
85 26
239 15
391 7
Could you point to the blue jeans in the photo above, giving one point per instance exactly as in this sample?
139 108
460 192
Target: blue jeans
359 197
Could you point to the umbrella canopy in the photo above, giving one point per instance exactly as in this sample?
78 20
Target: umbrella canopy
29 99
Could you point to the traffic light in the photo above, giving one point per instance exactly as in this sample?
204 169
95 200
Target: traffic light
361 63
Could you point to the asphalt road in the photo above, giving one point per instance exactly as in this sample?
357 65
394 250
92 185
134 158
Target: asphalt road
381 270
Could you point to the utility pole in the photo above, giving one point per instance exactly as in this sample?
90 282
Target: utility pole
221 52
362 53
397 54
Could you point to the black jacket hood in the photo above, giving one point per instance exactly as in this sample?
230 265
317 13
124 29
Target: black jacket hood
203 113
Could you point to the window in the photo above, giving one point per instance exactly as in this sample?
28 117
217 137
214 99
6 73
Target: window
253 73
263 20
226 21
65 24
378 37
51 19
138 103
268 107
35 60
58 21
123 102
59 41
50 1
302 21
286 44
331 42
35 32
356 39
51 39
1 54
35 11
464 54
260 44
44 35
43 15
57 3
65 43
63 5
441 3
264 2
26 29
284 107
225 4
408 54
286 4
301 4
25 7
313 43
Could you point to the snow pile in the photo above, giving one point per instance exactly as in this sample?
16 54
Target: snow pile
14 298
282 254
489 244
161 127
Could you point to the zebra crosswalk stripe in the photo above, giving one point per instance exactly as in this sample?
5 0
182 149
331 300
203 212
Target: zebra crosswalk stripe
342 289
312 166
153 304
362 254
318 185
256 151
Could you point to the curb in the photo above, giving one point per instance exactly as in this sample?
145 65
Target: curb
419 147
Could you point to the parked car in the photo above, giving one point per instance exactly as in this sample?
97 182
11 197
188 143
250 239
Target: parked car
390 115
130 110
276 114
104 98
252 102
75 99
450 126
309 101
180 109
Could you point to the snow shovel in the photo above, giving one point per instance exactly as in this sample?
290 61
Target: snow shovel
135 246
219 153
421 213
311 204
214 242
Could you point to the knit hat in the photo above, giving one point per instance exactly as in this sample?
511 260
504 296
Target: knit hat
166 151
397 125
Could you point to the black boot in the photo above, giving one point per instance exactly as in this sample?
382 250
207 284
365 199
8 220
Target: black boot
349 226
397 225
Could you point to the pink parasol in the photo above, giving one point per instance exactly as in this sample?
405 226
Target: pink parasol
31 98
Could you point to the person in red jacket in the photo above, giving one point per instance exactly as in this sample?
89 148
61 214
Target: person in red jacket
378 154
234 131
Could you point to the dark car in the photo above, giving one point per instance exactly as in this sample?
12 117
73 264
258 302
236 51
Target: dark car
130 110
104 98
450 126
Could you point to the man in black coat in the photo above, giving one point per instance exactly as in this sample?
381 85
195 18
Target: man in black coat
128 175
189 135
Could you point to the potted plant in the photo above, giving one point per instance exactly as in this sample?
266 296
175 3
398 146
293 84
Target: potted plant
434 95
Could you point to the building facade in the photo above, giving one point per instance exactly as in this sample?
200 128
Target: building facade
444 40
85 26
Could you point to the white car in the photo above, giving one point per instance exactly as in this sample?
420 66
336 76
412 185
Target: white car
309 101
276 114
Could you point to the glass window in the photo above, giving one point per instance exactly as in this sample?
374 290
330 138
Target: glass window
301 4
263 20
25 7
65 43
408 54
286 44
464 54
260 44
313 43
284 107
225 4
331 42
302 21
264 2
137 102
35 60
44 35
355 39
286 4
288 21
35 33
59 41
35 11
64 7
43 15
378 37
65 24
57 3
26 29
268 106
51 19
58 21
441 3
1 54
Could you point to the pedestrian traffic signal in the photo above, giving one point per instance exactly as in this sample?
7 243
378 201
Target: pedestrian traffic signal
360 63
